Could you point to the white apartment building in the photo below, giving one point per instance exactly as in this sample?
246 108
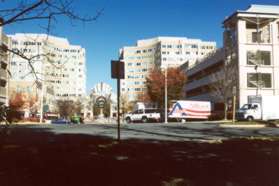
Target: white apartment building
59 65
159 52
4 64
254 40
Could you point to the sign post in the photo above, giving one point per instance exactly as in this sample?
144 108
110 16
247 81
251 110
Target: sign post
234 103
117 72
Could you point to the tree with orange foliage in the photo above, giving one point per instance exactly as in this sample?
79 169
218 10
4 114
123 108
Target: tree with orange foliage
16 102
155 83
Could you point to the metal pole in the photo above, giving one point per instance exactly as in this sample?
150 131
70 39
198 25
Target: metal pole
166 95
234 100
42 103
118 109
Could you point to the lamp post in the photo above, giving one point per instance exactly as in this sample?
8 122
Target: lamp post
256 69
166 94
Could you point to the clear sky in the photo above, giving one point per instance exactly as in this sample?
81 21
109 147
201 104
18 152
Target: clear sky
123 22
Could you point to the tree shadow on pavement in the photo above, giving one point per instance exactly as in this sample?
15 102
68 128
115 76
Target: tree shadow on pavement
38 157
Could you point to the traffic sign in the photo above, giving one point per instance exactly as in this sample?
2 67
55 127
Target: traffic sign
117 69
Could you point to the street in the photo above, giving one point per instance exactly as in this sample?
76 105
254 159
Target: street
190 131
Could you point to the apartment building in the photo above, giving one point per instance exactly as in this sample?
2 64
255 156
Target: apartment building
159 52
57 65
4 64
251 40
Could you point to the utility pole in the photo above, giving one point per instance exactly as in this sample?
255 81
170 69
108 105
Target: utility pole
234 103
118 109
42 103
117 72
166 95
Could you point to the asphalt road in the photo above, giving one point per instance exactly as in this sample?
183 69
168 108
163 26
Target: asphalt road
190 131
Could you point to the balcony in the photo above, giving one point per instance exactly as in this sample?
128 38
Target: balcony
258 33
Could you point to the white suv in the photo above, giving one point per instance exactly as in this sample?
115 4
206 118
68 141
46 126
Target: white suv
143 115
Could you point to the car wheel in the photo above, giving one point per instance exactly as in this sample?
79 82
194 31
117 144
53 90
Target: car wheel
144 120
250 118
128 120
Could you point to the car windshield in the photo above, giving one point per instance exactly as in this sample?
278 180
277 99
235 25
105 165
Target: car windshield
246 107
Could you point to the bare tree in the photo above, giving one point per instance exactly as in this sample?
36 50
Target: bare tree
125 105
67 108
45 11
225 79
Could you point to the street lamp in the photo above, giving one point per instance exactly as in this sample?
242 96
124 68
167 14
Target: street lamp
166 94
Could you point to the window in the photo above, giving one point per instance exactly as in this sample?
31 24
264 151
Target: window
260 80
163 46
179 46
256 37
169 46
3 83
138 52
258 58
3 65
138 64
194 46
130 64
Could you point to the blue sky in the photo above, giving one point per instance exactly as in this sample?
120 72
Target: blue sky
125 21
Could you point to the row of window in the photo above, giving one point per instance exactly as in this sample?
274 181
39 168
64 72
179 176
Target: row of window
180 53
14 42
134 89
187 46
32 43
254 80
135 76
144 51
68 95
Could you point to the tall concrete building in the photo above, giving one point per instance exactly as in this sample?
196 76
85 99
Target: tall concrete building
4 65
56 63
159 52
251 39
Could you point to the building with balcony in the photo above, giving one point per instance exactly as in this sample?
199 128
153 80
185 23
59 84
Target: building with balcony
159 52
256 45
58 68
251 43
4 64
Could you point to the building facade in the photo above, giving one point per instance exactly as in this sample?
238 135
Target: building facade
256 38
58 66
251 41
159 52
202 75
4 65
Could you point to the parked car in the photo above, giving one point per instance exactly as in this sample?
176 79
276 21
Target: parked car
143 115
60 121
